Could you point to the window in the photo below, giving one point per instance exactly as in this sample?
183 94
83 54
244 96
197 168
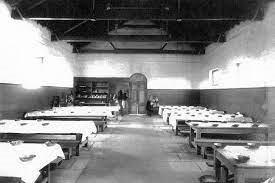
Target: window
215 76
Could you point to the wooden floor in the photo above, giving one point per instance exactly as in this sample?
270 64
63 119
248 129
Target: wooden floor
138 149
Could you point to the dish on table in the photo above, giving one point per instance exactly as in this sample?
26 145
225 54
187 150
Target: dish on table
242 159
255 125
16 142
252 146
219 145
27 157
50 143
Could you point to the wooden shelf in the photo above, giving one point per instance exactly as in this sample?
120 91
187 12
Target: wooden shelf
91 88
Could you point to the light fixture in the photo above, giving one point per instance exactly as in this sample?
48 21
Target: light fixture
178 19
108 7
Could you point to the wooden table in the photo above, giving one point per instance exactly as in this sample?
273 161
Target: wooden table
260 166
243 129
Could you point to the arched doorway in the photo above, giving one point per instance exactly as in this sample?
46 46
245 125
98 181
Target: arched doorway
138 93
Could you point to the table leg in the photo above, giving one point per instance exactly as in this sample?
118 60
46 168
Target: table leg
239 178
49 173
198 148
217 167
191 137
224 174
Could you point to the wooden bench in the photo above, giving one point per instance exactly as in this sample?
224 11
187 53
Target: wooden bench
67 141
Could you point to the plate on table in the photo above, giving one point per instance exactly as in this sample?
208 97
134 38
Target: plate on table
219 145
23 124
242 159
50 143
252 146
45 124
27 157
215 125
235 125
16 142
255 125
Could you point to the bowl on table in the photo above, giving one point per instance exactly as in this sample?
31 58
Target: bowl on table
27 157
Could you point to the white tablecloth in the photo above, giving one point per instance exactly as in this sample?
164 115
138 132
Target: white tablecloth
12 166
74 111
86 128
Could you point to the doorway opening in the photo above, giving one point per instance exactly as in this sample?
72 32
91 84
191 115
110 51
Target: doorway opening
138 93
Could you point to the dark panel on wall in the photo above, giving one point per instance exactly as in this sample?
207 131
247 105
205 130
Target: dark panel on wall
249 101
116 84
176 96
15 100
270 105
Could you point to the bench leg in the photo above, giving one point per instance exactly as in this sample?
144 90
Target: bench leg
177 130
77 150
203 152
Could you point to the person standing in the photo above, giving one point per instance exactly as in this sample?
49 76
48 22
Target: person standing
124 101
149 106
119 98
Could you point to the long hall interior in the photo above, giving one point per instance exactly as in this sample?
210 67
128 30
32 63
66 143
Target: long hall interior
119 91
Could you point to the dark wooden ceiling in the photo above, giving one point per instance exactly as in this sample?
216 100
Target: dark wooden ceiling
196 23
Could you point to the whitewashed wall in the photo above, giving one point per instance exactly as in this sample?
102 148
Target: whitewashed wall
252 44
163 71
22 44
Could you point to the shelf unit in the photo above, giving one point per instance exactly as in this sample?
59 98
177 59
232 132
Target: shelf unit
91 93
